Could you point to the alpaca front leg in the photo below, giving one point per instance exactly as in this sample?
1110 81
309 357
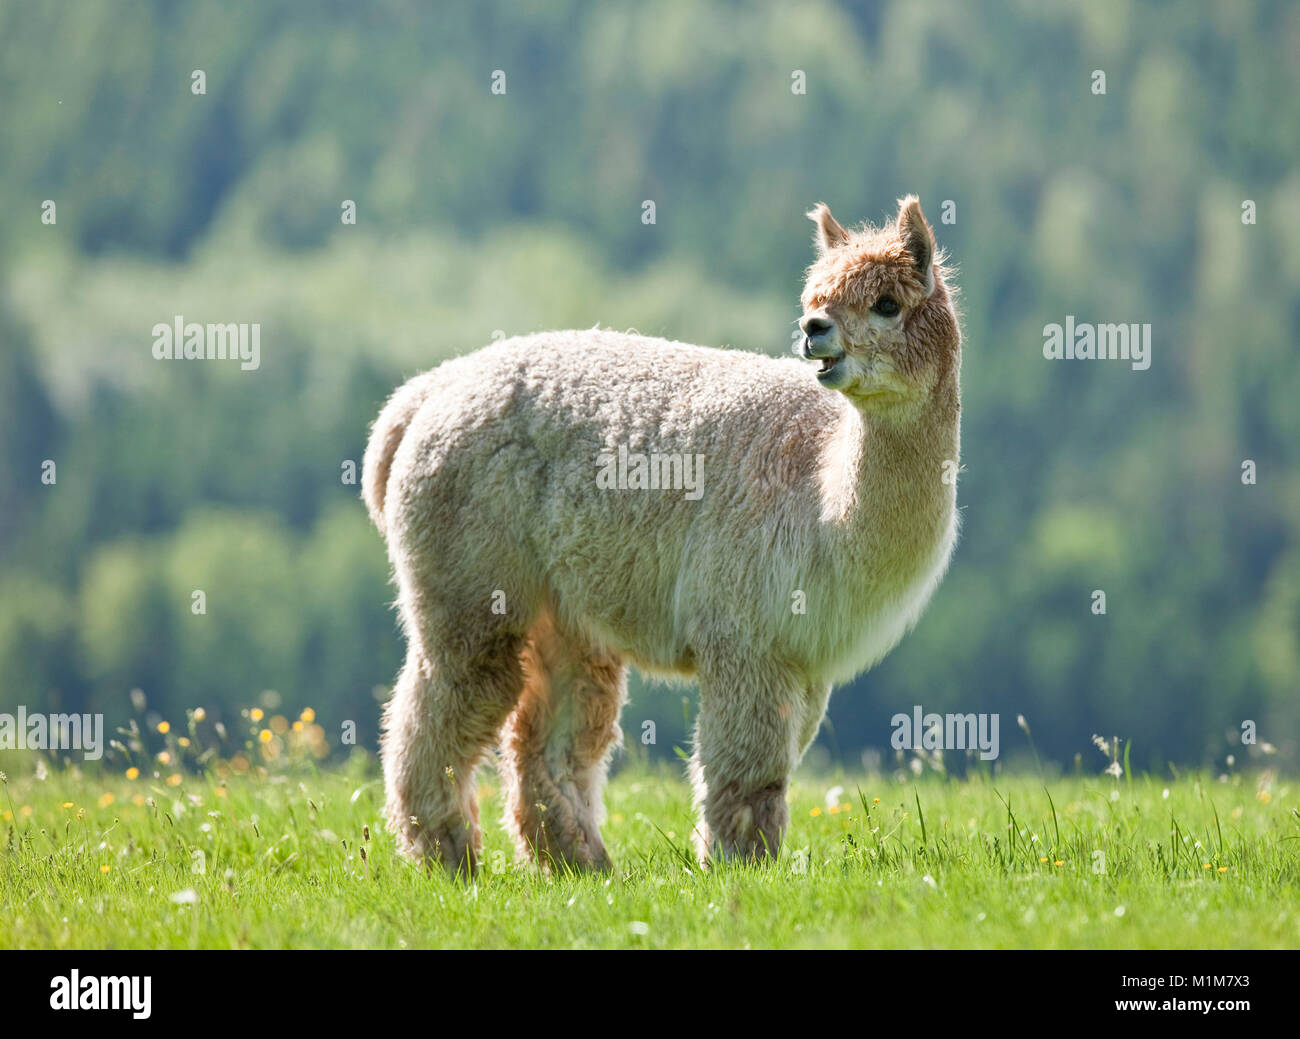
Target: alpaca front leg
745 749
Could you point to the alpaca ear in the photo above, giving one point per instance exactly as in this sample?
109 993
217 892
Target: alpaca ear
917 238
829 232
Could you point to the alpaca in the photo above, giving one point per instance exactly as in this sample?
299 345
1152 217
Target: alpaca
527 585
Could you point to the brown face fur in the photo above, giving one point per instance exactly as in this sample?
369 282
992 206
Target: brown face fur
877 315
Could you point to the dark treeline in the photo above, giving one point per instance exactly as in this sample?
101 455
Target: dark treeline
1172 199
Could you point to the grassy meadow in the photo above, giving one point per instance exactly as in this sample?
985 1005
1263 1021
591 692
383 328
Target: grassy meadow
297 857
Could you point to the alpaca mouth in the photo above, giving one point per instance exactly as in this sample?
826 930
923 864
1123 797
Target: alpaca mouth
826 362
827 365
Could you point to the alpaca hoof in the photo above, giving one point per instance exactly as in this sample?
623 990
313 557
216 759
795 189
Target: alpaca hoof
578 855
449 846
750 831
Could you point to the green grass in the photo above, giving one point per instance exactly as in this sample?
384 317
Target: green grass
996 863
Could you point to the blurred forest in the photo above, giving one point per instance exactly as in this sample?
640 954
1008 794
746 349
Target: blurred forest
480 213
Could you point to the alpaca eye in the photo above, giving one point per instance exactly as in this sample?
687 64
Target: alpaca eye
886 306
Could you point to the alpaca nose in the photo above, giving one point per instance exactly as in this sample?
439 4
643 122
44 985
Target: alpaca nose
816 326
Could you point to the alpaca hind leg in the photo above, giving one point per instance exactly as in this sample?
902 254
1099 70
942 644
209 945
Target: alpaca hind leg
556 748
444 714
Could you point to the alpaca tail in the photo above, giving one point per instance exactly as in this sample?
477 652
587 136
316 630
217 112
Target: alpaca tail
385 436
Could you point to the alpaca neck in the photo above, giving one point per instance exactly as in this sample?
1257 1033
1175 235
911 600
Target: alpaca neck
885 485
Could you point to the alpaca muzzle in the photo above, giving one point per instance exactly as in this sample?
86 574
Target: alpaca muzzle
823 348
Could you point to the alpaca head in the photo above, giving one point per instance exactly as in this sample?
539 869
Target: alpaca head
877 318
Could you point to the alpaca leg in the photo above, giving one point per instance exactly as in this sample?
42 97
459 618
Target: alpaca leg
746 745
444 714
555 749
